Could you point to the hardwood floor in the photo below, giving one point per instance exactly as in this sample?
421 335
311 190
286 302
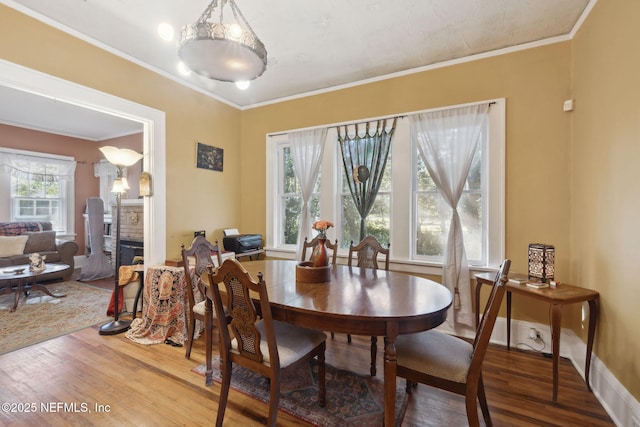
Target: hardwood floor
123 383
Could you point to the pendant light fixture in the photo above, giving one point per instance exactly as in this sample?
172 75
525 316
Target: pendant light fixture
222 46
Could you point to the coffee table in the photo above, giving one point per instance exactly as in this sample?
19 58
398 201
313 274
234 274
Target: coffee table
18 279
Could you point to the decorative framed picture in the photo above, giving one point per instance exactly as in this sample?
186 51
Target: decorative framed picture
208 157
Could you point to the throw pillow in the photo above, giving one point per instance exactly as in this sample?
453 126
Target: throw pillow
12 245
40 241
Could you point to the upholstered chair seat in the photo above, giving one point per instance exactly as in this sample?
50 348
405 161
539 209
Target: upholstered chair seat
451 363
292 342
435 353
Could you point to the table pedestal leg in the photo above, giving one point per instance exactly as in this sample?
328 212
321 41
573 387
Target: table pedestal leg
390 369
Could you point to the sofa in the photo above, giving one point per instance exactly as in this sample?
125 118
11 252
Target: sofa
18 240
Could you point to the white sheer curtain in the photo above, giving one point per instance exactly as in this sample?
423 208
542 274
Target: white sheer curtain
447 141
19 164
306 151
24 166
107 174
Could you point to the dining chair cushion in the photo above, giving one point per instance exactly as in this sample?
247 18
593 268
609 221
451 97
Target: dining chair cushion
435 353
292 341
199 309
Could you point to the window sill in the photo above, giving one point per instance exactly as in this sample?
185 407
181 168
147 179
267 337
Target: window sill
406 266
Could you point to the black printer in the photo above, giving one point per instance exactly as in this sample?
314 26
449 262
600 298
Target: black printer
239 243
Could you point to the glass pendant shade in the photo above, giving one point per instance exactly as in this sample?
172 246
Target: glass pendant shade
227 50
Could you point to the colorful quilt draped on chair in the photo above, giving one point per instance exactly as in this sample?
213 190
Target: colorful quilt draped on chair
163 309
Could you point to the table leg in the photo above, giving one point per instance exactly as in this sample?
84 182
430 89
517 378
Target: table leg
44 289
17 293
556 317
508 320
593 320
390 369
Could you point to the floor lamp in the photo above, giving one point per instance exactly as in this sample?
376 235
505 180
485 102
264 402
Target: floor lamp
120 158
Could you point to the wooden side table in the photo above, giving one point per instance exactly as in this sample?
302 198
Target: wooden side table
557 297
250 254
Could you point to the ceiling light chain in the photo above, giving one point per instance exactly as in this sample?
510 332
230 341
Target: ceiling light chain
224 50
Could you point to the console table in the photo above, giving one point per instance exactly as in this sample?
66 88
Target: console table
557 297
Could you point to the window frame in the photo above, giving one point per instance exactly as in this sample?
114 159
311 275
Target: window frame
483 191
402 201
66 200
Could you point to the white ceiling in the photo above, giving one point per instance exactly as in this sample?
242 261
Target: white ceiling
318 45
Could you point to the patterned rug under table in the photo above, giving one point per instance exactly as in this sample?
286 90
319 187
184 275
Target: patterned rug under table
352 399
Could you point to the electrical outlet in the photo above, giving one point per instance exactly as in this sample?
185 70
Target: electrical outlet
534 334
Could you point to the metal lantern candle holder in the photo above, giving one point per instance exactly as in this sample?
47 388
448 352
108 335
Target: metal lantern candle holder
541 261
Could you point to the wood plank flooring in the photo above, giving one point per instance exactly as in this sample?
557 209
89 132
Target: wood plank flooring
109 380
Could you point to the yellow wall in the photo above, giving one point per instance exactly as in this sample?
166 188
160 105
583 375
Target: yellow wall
534 82
605 165
193 195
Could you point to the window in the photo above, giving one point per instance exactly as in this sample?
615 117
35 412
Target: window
39 187
290 197
433 215
408 212
377 223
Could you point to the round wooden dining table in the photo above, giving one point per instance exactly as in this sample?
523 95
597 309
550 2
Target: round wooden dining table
357 301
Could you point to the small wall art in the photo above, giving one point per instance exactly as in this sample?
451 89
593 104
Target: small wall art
208 157
145 184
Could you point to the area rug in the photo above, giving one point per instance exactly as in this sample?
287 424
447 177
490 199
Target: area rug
40 317
352 399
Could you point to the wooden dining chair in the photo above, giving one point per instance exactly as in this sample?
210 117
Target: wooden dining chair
451 363
367 255
200 250
261 344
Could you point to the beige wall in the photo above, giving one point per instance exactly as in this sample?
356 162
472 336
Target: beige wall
193 195
605 156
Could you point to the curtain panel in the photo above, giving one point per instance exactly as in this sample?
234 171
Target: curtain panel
365 148
447 141
306 152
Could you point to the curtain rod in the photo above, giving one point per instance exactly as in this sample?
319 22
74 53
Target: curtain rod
367 121
340 124
398 116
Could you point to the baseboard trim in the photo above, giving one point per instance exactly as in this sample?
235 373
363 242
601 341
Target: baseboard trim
621 406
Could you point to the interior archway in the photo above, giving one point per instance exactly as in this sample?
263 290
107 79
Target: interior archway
152 120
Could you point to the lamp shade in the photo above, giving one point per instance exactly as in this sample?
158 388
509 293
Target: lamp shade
541 261
120 185
120 156
221 45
